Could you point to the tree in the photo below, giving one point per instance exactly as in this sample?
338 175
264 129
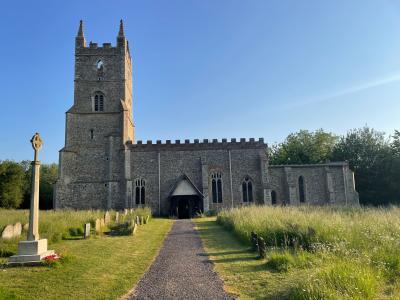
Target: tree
370 156
48 176
12 181
304 147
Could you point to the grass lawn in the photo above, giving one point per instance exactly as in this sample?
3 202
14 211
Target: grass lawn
97 268
243 274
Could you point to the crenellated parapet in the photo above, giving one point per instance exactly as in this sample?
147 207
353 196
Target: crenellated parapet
95 49
196 144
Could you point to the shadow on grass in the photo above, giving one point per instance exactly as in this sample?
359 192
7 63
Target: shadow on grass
225 253
73 238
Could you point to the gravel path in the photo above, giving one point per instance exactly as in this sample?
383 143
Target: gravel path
182 270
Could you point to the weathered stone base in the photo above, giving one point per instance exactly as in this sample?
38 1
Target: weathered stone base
30 252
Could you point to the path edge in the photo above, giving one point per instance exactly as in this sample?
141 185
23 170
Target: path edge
132 290
224 285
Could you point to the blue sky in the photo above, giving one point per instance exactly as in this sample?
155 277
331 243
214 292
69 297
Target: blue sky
206 68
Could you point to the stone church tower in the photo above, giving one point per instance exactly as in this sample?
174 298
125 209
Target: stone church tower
97 126
103 167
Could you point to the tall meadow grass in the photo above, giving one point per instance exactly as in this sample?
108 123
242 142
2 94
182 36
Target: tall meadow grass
354 252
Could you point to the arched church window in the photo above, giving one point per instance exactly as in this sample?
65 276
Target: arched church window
247 190
98 102
273 198
302 194
140 191
216 187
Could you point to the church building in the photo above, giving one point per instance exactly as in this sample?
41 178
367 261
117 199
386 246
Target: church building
102 166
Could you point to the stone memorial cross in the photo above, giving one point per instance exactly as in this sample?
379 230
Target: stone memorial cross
34 249
33 232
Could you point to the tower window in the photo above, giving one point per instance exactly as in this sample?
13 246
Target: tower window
216 187
91 134
247 190
98 102
302 193
140 191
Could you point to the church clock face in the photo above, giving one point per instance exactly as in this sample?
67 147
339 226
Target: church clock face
99 65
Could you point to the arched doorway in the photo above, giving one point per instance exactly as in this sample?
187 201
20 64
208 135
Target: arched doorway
186 201
185 206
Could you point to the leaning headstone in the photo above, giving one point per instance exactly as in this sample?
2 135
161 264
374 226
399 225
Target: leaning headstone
87 231
254 241
147 219
8 232
17 229
261 248
98 225
137 220
107 217
116 217
141 220
134 228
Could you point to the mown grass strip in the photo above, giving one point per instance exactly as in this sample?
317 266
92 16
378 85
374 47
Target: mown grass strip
97 268
240 269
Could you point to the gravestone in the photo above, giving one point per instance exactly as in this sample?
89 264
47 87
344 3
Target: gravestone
98 226
134 228
87 231
262 248
107 218
26 227
147 219
141 220
137 220
17 229
8 232
116 217
254 241
131 210
125 211
102 223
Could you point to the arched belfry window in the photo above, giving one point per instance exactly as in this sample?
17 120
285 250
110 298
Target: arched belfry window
302 193
247 190
98 102
273 198
216 187
140 191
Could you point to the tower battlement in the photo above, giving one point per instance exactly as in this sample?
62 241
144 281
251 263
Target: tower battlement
188 144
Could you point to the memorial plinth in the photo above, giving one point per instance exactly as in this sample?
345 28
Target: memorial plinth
34 249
